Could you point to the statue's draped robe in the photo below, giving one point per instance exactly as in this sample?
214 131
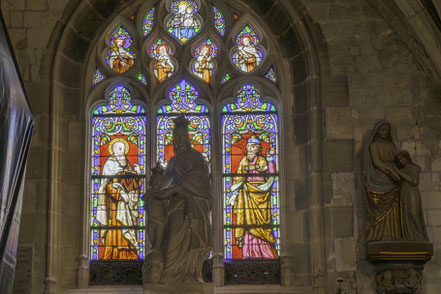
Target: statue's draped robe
412 221
188 238
383 218
253 208
114 211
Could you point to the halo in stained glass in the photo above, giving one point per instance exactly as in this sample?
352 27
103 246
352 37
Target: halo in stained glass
120 58
219 22
98 76
250 230
271 75
163 66
118 129
247 55
147 23
183 100
205 65
184 23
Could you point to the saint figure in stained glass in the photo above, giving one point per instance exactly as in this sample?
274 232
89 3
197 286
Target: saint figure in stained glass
204 65
118 203
251 221
247 56
163 67
118 164
250 192
120 58
184 24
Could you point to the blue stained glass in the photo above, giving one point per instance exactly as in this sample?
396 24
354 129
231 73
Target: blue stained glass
183 99
226 78
219 22
120 58
148 22
98 76
184 22
271 75
250 130
118 126
248 54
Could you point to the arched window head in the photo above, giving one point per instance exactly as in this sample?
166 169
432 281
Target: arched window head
183 99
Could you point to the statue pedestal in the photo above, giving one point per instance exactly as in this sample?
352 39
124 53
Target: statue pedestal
179 288
399 265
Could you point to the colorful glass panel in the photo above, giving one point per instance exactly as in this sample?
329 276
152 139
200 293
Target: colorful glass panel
226 78
98 76
183 100
219 22
120 58
147 24
142 79
204 65
271 75
250 181
247 55
184 23
117 217
163 67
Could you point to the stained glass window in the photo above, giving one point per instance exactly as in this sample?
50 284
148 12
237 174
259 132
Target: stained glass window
250 181
120 58
226 78
142 79
183 100
271 75
164 66
204 65
117 217
247 56
147 24
98 76
219 22
184 22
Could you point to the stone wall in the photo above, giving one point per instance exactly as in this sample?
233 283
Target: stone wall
373 76
366 72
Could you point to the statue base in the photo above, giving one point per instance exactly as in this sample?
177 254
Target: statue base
399 265
399 251
179 288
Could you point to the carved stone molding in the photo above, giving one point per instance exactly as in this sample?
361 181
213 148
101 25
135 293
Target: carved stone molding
399 278
399 265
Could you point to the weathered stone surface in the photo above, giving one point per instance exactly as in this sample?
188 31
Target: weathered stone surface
335 91
338 155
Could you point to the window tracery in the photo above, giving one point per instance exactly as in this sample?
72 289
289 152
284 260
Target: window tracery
182 74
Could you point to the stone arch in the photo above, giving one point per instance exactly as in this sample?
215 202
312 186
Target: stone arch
305 59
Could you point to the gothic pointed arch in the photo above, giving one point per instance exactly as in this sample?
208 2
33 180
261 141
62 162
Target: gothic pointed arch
295 61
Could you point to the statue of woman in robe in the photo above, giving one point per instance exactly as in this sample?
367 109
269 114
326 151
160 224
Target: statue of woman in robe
412 220
382 185
188 235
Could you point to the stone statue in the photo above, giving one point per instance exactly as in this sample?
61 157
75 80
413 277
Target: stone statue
156 208
382 185
394 210
411 211
186 240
